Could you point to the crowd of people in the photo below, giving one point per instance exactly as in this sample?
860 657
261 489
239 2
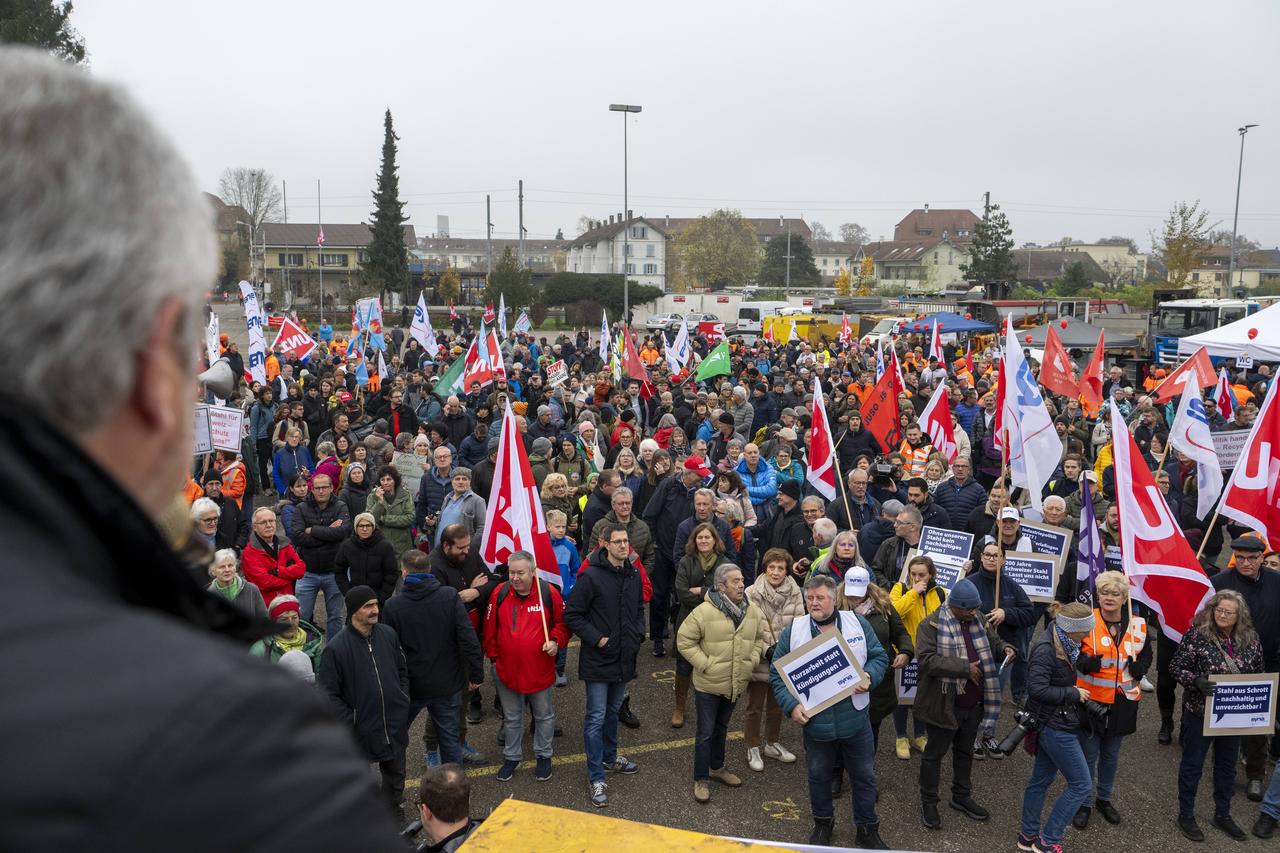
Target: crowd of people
691 497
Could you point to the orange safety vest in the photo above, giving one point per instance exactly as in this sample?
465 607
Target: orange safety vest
915 458
1114 676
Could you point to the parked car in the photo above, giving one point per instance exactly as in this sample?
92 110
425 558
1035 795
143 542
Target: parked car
662 321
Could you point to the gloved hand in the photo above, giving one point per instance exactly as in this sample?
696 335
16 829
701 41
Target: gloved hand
1088 664
1204 686
768 653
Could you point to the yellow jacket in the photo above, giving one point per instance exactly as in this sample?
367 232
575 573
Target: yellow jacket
722 656
913 608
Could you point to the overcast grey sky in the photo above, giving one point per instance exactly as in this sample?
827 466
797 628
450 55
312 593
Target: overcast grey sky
1083 119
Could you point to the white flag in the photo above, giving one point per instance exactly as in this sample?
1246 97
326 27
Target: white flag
1034 446
677 352
420 330
1190 434
212 346
502 314
382 366
257 364
523 324
604 337
793 335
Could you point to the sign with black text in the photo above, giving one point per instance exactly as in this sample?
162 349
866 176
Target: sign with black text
949 550
821 672
907 680
557 373
1242 704
1048 539
218 428
1037 574
1229 444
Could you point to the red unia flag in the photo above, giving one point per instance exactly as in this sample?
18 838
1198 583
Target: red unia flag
1252 497
1223 396
822 470
935 420
846 333
1172 385
293 341
513 519
997 422
1056 373
478 365
880 412
489 313
1164 571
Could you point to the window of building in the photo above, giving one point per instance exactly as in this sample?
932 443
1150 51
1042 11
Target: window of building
962 232
627 249
290 259
363 257
935 257
1217 276
631 269
639 232
1195 276
650 269
334 260
650 251
924 232
824 262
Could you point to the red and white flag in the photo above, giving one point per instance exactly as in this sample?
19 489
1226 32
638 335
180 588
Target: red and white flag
489 313
935 420
1223 396
822 449
935 346
483 363
293 341
1173 383
513 519
1163 570
320 237
899 383
769 335
453 311
997 421
1056 372
1091 379
1253 496
846 333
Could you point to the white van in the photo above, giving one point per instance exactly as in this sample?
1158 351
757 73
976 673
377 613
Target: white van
751 316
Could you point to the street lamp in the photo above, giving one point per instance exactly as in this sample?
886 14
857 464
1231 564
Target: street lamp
626 293
1231 260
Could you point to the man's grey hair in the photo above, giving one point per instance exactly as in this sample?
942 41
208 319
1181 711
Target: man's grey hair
824 529
891 508
1060 503
821 580
101 222
814 500
200 506
911 514
621 492
517 556
721 575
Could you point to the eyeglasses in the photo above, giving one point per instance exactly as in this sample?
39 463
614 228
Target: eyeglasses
1222 612
619 541
210 520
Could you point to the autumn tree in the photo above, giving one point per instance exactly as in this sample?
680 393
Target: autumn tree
254 190
718 250
821 233
1183 239
844 283
449 287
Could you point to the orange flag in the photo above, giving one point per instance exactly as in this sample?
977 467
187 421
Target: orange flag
1055 371
1091 380
880 412
1172 385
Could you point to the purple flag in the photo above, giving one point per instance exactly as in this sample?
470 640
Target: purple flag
1089 561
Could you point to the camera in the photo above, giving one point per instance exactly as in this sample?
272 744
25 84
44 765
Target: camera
1025 723
882 473
1094 717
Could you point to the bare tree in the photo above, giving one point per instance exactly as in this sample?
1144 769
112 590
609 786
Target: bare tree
852 232
585 224
253 189
821 233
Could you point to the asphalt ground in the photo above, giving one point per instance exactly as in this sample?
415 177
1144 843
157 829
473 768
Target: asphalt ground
774 806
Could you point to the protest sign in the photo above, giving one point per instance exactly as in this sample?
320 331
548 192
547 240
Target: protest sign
949 550
226 427
713 331
1048 539
1241 704
1229 444
557 373
203 443
293 341
821 672
907 680
1037 574
1112 561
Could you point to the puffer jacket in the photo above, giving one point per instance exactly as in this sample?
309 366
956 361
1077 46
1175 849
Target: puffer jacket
432 489
271 567
762 486
777 608
959 501
368 562
318 548
913 607
723 655
1052 697
690 575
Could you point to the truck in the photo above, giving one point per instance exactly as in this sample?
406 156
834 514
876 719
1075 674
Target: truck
1181 318
751 316
810 327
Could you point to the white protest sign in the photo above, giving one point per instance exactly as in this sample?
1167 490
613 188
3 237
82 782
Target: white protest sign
1229 444
1048 539
907 680
949 550
821 672
1241 704
557 373
1037 574
257 362
226 427
202 442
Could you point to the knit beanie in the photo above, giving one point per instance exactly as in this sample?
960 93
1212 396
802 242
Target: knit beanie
1076 625
357 597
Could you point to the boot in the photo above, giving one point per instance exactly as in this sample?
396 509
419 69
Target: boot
822 831
1166 728
626 717
868 837
683 683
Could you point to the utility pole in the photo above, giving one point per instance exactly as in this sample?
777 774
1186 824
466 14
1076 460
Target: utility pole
521 224
287 288
986 205
320 250
626 213
1231 259
488 239
788 255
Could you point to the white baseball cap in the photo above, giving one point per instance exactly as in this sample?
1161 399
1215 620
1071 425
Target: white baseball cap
856 581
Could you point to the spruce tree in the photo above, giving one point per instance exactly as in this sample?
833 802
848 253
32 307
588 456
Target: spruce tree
387 267
991 252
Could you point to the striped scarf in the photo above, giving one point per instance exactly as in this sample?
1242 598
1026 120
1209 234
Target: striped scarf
951 644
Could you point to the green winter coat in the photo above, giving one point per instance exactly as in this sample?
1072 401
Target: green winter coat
722 655
268 648
394 518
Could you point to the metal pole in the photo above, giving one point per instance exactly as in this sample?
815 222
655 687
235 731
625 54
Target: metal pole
284 267
320 250
488 240
788 256
521 235
626 228
1235 221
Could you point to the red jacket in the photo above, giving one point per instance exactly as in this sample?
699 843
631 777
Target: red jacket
513 637
272 577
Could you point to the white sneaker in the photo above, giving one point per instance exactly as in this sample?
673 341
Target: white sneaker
754 761
1147 686
779 752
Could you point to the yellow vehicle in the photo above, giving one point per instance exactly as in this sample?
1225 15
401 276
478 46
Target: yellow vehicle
810 327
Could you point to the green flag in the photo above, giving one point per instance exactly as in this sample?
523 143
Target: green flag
716 363
449 380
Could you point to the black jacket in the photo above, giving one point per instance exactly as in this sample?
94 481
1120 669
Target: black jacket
233 526
1052 697
671 504
597 507
933 515
318 548
790 533
607 601
959 501
460 577
1263 597
435 632
368 562
685 530
367 679
141 679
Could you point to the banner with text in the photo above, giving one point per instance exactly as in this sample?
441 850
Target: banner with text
821 672
1037 574
1241 705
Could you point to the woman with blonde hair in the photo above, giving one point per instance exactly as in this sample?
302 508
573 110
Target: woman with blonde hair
556 495
1114 656
840 557
1221 641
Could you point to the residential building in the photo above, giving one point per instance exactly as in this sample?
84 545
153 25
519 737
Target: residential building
600 250
1122 265
293 262
926 253
1039 267
833 257
463 253
1251 270
765 227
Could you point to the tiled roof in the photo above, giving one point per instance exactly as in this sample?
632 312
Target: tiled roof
336 235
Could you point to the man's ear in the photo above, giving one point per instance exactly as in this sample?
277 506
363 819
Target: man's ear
157 397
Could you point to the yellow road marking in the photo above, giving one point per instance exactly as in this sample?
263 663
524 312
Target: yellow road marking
581 757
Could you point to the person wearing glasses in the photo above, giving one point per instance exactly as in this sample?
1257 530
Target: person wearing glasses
606 610
1260 589
892 553
1221 641
1011 616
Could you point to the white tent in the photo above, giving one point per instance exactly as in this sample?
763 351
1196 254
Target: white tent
1234 339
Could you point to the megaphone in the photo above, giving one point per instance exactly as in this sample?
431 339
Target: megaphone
219 379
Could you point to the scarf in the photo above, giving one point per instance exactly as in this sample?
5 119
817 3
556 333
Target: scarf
865 607
951 644
839 565
237 584
708 562
735 612
1070 646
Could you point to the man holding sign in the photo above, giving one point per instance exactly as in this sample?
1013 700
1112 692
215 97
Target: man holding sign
844 726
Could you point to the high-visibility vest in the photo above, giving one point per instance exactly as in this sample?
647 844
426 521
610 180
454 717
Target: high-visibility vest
1114 675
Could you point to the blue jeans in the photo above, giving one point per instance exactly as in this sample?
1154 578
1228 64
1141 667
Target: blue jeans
544 721
1056 750
1103 755
713 728
600 725
1195 749
306 589
900 722
859 754
1271 802
445 714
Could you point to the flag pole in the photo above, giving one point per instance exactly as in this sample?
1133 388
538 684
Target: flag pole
542 607
1004 473
844 491
1205 539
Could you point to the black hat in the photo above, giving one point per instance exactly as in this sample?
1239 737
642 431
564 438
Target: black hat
790 488
357 597
211 476
1248 542
725 418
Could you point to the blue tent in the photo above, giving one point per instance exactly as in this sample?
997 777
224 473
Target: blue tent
950 323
